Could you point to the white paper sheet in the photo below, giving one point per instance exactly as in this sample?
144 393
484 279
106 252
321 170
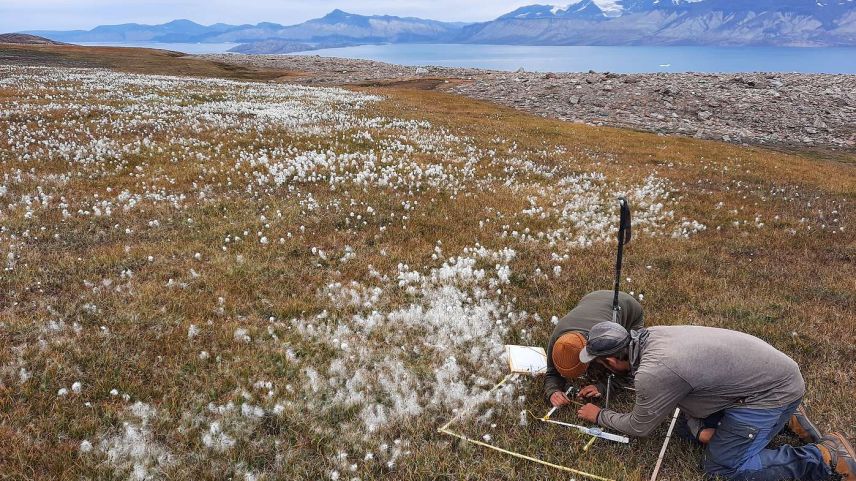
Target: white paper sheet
526 359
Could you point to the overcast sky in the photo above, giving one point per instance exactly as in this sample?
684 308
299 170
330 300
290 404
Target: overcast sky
16 15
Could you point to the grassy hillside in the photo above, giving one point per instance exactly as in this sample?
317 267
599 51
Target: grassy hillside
131 60
213 279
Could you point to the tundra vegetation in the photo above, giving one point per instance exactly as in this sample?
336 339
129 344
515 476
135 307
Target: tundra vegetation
227 279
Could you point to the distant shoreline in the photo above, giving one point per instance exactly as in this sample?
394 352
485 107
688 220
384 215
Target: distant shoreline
623 59
789 110
189 48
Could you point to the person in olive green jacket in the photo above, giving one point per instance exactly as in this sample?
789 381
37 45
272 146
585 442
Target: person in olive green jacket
569 338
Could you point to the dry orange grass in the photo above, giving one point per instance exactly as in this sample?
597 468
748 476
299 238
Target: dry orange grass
131 60
789 281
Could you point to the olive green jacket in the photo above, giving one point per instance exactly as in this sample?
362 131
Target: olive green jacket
592 309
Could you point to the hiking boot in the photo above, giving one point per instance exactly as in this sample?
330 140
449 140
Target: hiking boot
839 455
800 425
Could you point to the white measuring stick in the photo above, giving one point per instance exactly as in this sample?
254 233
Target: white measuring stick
665 445
596 432
550 412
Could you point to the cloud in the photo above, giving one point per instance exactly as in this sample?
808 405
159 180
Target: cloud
86 14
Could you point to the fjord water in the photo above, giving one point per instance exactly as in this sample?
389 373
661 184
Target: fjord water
608 59
622 59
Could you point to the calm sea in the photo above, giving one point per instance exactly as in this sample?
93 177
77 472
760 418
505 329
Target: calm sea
581 59
612 59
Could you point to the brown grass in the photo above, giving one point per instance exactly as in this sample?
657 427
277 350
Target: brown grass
795 290
132 60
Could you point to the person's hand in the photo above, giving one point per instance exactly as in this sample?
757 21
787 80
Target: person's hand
589 413
558 398
589 392
706 435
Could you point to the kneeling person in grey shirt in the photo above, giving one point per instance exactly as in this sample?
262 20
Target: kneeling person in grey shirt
753 390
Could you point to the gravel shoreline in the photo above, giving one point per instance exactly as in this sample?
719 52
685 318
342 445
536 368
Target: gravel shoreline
777 109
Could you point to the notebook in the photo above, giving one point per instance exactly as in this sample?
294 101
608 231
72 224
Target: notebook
526 359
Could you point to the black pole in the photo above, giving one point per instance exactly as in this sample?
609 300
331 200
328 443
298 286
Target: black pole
624 235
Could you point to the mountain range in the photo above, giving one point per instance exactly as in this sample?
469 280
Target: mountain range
583 22
675 22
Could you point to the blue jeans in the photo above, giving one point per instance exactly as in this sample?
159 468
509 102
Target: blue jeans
738 449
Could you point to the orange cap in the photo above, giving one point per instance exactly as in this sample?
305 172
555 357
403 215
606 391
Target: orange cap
566 355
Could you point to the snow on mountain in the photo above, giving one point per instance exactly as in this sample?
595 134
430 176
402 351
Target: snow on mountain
587 9
592 8
610 8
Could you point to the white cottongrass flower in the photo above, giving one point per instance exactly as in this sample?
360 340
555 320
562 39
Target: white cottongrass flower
216 439
241 335
448 304
135 448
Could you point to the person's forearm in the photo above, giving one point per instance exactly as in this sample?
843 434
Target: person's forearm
656 397
625 424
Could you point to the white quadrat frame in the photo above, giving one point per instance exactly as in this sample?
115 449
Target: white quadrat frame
445 430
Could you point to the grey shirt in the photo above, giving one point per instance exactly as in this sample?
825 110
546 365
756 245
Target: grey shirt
595 307
704 370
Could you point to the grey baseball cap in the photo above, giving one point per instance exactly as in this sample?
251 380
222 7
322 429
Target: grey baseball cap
605 339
